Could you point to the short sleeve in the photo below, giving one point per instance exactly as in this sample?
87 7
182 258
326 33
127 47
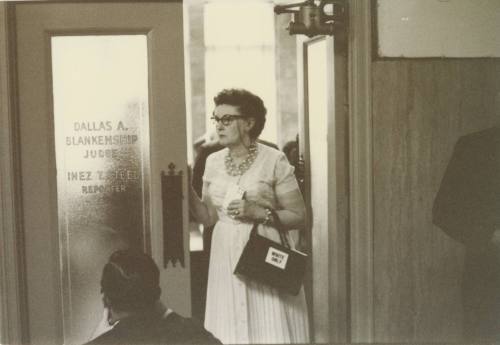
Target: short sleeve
209 169
285 180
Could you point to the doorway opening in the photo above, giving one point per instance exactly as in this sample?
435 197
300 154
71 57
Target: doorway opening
224 48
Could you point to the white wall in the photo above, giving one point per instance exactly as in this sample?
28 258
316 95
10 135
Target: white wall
438 28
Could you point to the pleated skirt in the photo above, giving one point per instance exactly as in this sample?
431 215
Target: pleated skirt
239 311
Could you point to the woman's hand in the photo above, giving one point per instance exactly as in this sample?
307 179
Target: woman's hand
245 210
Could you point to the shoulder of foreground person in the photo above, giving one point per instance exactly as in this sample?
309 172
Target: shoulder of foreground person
188 331
174 329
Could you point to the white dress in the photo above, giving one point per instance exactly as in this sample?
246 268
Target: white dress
240 311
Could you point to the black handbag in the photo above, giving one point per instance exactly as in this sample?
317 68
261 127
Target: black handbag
271 263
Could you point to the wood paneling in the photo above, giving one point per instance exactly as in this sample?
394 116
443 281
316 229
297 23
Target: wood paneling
420 108
13 322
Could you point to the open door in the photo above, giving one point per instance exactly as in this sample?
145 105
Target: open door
101 113
323 148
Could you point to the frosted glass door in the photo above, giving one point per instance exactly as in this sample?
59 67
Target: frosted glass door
101 121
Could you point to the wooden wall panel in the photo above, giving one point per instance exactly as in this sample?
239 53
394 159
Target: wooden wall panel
420 108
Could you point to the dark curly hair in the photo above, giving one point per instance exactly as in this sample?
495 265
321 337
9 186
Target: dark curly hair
130 281
248 104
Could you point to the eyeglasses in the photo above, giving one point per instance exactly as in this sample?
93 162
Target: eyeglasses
225 119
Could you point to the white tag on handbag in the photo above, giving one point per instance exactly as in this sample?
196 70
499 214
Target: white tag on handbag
276 258
234 192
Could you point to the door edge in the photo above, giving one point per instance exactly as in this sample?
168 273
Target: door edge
13 289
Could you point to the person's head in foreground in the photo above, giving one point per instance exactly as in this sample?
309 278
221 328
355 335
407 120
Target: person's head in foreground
130 283
130 287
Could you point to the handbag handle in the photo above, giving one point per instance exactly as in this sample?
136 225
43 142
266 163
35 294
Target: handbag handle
278 226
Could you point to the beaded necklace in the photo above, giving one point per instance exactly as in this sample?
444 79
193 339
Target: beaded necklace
237 170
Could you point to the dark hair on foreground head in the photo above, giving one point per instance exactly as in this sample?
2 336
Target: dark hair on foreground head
248 104
130 281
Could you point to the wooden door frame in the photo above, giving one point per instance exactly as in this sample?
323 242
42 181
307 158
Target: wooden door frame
14 316
361 172
13 307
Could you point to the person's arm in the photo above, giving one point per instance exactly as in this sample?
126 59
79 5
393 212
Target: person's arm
202 210
290 204
290 208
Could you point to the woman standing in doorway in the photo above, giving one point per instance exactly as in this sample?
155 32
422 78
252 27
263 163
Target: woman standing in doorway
247 182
